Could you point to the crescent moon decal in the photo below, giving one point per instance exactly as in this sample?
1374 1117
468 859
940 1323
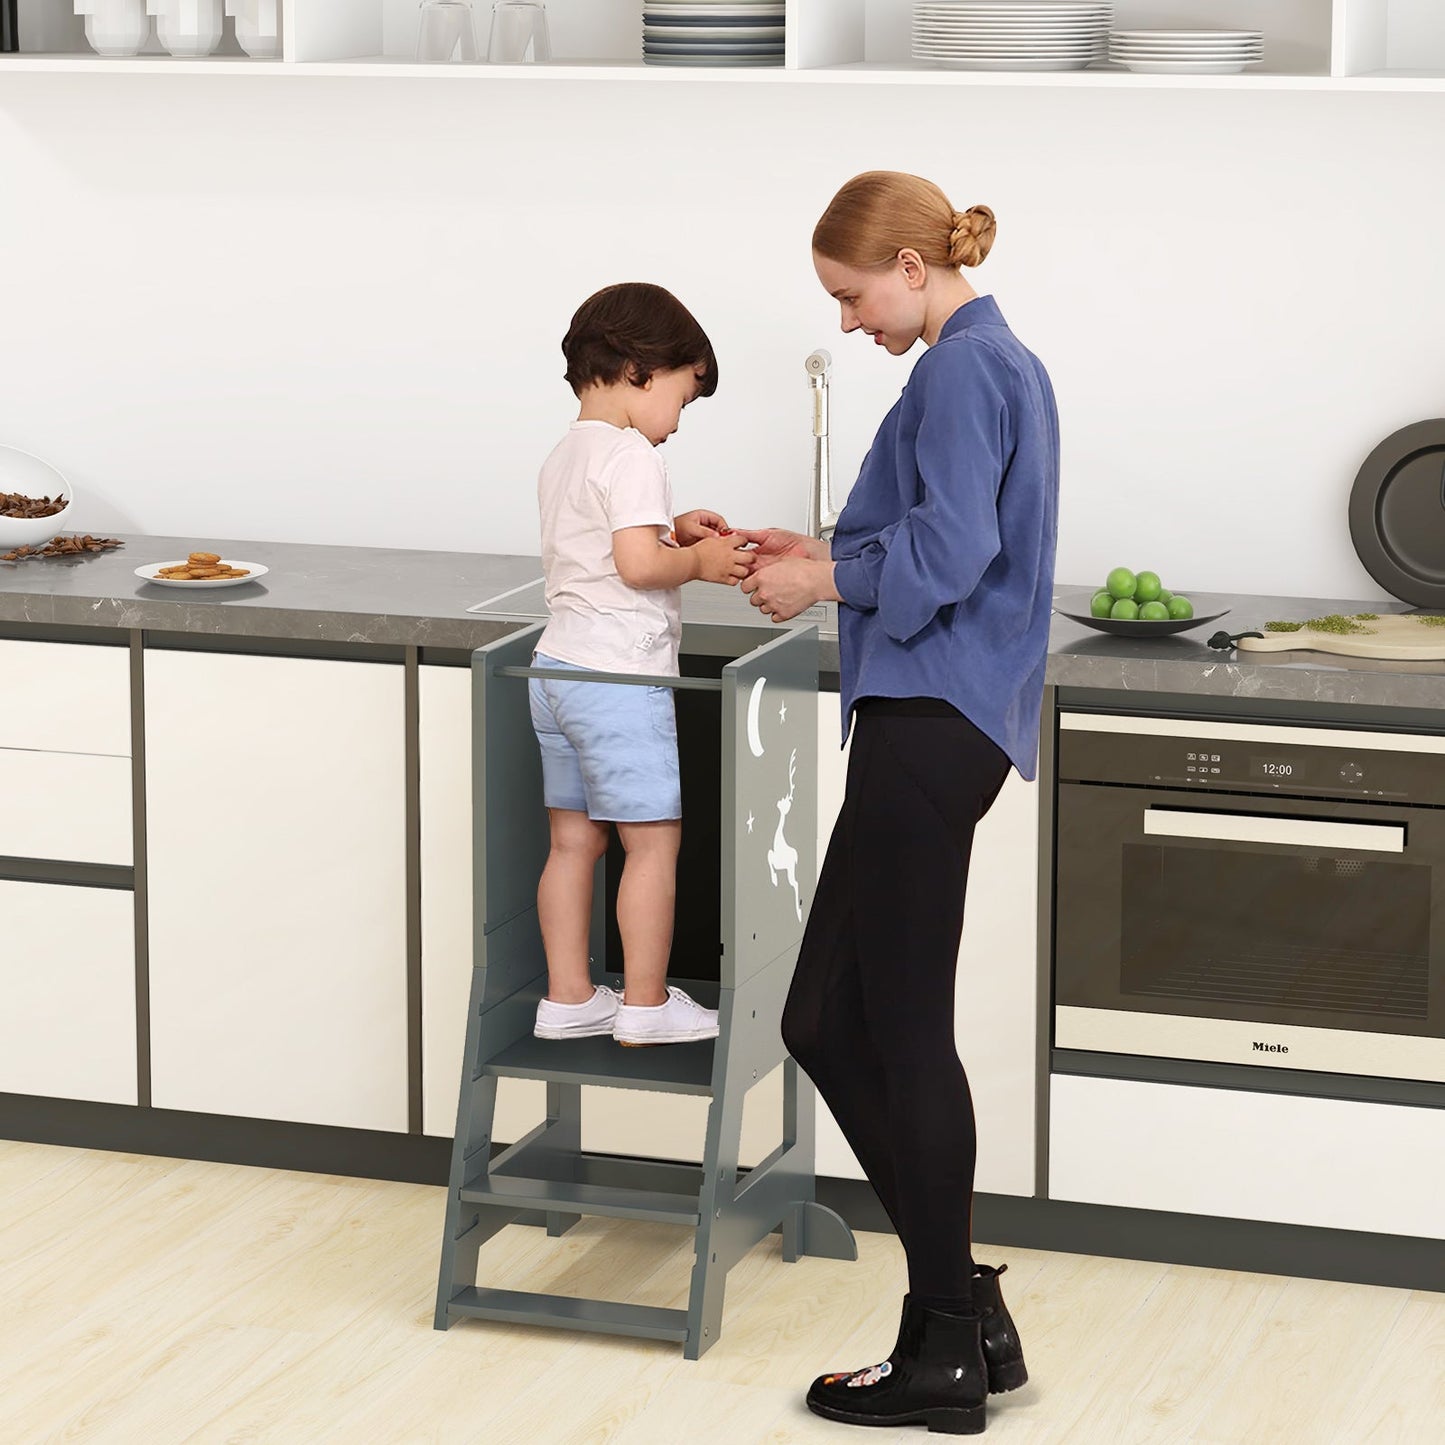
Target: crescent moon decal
755 701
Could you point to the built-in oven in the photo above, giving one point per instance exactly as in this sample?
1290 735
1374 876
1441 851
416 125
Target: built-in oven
1253 893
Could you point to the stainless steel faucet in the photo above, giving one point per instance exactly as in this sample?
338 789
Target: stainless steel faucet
822 519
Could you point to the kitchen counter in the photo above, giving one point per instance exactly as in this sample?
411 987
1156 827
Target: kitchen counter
378 595
396 597
349 812
1080 657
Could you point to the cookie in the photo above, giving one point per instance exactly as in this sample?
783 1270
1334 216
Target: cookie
203 559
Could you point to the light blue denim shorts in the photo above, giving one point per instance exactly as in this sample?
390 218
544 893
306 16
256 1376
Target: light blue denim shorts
608 750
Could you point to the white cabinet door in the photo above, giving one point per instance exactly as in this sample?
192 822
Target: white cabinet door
64 697
996 1000
997 973
834 1157
276 842
446 889
1334 1163
67 977
74 807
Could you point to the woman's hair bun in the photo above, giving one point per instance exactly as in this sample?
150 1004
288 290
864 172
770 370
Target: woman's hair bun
972 236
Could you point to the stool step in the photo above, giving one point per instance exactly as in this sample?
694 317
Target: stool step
670 1068
608 1317
594 1199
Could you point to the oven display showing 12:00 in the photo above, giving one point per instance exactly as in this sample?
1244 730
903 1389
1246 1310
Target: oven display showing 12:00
1279 770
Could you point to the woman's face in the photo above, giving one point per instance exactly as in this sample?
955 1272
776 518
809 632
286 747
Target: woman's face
886 301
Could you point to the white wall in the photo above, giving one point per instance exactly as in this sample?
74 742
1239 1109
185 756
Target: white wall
329 310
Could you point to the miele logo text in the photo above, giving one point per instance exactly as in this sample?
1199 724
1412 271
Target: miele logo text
1260 1048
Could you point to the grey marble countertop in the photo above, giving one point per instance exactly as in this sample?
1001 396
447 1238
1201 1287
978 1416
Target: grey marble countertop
378 595
399 597
1081 657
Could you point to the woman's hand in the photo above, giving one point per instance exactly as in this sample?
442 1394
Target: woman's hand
788 585
696 526
721 559
773 544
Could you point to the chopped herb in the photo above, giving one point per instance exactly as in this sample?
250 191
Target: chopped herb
1283 626
1367 616
1338 624
1432 620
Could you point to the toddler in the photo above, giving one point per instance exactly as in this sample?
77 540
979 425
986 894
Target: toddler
614 560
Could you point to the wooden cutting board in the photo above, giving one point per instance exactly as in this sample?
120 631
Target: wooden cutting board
1396 638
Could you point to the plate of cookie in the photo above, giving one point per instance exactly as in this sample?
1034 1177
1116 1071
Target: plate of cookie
201 569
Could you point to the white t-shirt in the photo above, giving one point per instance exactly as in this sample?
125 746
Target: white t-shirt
599 479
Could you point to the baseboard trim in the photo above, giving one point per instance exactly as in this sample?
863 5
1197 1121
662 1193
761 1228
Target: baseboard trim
1255 1246
1251 1245
223 1139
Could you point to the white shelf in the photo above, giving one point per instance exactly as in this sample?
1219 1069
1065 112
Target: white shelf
1369 45
141 65
386 67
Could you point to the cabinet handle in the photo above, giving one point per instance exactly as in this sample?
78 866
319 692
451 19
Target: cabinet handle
1288 832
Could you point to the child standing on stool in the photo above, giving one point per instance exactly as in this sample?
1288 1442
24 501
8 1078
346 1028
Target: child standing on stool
614 560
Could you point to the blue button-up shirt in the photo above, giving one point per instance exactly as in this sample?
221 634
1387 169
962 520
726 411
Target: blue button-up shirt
945 551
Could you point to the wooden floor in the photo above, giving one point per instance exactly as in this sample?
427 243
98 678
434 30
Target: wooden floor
160 1301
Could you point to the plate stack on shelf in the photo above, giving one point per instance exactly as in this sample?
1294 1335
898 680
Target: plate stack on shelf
1023 35
712 32
1186 52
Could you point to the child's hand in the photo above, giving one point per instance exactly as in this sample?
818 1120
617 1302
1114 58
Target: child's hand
696 526
722 559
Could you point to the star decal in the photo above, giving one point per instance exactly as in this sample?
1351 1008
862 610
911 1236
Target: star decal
751 820
783 712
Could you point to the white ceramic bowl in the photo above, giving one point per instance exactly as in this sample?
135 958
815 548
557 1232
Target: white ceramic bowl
20 472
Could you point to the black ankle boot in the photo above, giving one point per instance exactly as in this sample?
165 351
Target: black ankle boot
1002 1350
935 1376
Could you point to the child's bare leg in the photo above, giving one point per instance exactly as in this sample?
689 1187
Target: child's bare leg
646 897
564 902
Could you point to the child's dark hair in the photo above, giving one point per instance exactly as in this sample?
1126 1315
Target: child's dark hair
628 331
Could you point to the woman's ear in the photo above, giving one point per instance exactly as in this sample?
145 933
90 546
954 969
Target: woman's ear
915 272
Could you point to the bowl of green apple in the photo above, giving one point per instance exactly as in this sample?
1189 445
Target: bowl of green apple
1133 604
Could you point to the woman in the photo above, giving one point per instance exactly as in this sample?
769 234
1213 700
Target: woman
943 565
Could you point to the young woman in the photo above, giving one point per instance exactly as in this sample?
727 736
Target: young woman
943 565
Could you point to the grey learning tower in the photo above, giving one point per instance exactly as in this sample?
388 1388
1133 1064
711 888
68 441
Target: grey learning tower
767 771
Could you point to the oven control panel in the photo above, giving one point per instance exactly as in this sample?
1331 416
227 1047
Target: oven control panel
1305 761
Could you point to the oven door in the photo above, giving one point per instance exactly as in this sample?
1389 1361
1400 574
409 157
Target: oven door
1269 931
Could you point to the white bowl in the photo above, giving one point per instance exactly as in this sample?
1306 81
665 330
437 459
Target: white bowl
20 472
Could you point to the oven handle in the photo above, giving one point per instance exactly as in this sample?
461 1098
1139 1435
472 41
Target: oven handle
1286 734
1288 832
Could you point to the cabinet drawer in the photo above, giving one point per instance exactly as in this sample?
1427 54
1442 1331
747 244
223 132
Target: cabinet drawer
68 1025
65 697
1333 1163
68 806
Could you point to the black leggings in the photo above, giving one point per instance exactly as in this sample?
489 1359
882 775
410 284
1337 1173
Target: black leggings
870 1015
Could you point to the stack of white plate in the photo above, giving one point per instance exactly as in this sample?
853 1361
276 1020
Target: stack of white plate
1186 52
712 32
979 35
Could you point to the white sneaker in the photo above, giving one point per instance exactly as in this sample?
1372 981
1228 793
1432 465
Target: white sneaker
681 1020
578 1020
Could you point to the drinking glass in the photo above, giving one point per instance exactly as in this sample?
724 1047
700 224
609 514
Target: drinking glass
519 27
447 31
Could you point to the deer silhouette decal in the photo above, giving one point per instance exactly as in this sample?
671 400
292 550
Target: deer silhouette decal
782 856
